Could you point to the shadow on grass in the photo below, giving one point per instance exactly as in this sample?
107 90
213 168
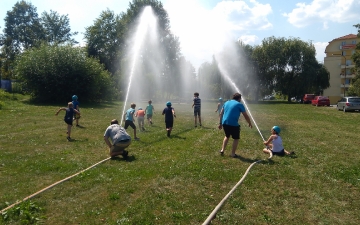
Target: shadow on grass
130 158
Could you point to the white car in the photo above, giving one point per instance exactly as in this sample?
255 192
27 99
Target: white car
348 104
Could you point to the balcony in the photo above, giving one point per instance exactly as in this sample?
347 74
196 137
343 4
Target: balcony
347 66
346 85
352 76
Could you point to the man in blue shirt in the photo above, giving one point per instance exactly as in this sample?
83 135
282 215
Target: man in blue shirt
229 120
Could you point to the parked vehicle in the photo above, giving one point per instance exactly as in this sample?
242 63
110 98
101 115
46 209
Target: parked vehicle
348 104
308 98
320 101
269 97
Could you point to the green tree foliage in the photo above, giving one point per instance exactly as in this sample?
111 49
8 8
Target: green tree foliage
57 28
24 29
110 40
105 38
290 67
354 89
54 73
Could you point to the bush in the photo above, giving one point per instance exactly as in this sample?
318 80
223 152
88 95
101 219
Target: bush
55 73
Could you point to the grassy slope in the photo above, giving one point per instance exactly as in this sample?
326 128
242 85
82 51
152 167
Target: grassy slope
180 180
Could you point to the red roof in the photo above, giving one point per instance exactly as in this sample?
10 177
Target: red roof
349 36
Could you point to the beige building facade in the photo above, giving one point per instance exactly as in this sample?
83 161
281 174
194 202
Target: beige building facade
340 65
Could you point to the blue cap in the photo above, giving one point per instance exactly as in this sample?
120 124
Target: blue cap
220 99
140 108
74 97
168 103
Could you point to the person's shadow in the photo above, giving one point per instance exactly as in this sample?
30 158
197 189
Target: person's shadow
130 158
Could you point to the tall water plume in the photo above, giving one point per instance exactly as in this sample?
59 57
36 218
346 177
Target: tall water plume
143 71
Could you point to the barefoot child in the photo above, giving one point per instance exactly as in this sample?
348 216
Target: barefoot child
169 113
140 114
274 143
68 117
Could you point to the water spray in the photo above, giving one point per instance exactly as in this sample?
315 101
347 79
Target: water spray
145 19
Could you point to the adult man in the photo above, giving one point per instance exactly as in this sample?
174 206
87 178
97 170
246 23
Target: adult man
120 139
229 117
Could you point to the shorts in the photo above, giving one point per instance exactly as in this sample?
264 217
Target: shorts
119 147
148 116
77 116
281 153
129 123
197 112
169 124
69 122
141 119
233 131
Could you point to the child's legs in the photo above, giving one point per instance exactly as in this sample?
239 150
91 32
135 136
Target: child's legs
69 129
266 150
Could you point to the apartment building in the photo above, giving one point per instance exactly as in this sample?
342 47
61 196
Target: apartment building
340 65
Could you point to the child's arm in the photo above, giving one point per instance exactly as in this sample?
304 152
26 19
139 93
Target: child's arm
269 140
59 111
76 111
217 108
173 112
132 115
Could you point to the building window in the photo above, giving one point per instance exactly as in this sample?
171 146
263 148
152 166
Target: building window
343 43
343 53
353 52
348 62
353 42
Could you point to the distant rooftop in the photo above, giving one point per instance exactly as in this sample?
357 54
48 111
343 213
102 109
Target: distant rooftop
349 36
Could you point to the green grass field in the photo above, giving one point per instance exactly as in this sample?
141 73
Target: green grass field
181 179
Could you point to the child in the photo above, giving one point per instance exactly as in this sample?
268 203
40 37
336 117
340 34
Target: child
219 106
149 112
197 108
140 114
76 106
169 113
68 117
129 119
274 144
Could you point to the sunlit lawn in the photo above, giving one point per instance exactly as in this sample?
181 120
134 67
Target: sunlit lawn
181 179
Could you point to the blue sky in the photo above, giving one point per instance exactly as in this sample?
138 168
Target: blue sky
201 23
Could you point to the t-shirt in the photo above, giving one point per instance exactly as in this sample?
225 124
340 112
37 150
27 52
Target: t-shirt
232 110
197 103
116 133
140 113
149 109
75 104
277 144
69 114
168 114
129 114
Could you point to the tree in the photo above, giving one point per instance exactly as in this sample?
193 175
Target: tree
354 89
57 28
54 73
290 67
105 38
22 31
